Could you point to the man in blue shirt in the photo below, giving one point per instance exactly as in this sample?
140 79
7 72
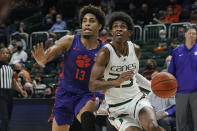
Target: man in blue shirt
58 26
184 67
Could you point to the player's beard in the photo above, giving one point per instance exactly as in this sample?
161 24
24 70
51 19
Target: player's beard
86 36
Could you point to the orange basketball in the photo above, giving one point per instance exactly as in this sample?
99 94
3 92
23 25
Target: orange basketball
164 85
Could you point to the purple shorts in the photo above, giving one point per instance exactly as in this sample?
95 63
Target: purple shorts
67 105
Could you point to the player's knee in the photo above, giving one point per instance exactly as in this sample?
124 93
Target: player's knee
88 121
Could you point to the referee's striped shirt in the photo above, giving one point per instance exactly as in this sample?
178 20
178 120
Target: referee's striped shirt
6 75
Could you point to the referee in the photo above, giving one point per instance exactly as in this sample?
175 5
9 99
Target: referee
7 82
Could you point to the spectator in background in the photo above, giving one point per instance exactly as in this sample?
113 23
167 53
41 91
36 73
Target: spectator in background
20 55
48 92
38 82
173 12
178 40
28 87
167 63
23 28
193 16
21 79
17 38
104 35
47 22
58 26
39 86
144 15
150 68
159 17
52 10
19 71
165 111
163 41
12 46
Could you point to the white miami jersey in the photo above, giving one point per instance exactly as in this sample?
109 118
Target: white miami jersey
117 65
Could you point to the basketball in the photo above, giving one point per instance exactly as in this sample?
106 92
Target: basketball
164 85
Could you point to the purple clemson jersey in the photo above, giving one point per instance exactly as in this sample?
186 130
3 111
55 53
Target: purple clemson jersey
78 62
73 92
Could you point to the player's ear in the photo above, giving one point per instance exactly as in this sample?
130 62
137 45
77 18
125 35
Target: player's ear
99 27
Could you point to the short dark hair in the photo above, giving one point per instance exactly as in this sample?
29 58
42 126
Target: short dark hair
97 11
123 17
191 27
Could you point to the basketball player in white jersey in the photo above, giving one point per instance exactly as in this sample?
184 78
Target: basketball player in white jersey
116 70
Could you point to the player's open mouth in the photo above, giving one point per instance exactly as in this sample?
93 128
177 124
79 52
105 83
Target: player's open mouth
87 30
119 35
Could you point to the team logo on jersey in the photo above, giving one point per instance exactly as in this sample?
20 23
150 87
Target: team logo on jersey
124 67
83 61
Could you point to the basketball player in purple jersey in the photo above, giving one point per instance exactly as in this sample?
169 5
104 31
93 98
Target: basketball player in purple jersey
73 98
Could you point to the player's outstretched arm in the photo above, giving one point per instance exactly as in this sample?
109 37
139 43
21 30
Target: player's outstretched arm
143 82
42 57
97 83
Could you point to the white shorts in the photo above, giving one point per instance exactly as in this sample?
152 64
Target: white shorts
131 108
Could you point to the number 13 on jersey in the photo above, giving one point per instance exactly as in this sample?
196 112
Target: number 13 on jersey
80 74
